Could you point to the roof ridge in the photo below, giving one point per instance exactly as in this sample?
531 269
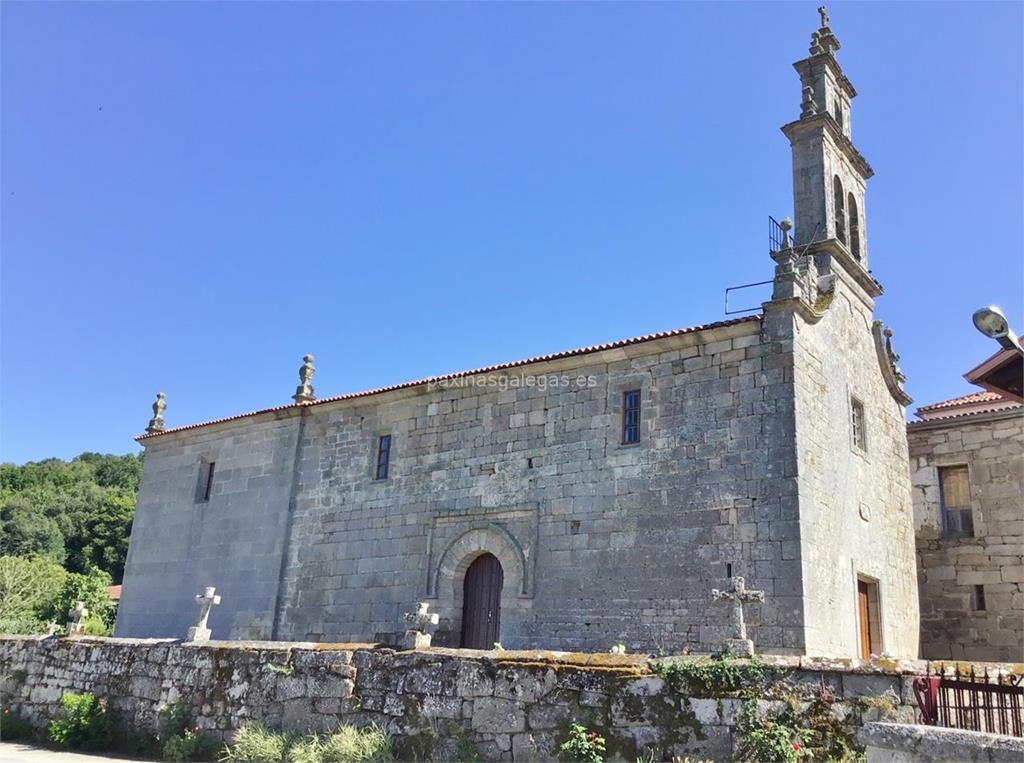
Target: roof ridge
1012 405
972 397
461 374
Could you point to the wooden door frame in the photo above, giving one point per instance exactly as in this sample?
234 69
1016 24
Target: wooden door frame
876 640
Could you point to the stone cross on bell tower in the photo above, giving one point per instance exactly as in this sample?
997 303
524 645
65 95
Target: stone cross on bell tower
829 174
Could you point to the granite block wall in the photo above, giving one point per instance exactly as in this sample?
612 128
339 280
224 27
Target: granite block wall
856 517
950 568
600 542
507 705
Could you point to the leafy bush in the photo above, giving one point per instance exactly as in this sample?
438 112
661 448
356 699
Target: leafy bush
190 744
774 738
719 676
180 738
348 744
85 724
582 745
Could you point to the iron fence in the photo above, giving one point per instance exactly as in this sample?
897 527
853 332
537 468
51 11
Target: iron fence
971 701
775 235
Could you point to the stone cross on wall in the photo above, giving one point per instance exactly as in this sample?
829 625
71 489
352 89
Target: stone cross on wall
156 424
304 392
76 619
738 594
416 636
206 601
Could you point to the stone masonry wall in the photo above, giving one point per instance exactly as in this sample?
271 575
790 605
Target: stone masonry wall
508 705
180 544
992 448
856 518
600 543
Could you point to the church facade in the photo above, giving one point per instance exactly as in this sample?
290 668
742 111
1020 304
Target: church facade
582 499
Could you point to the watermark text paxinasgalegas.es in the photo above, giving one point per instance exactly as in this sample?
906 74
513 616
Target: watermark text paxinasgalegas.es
514 381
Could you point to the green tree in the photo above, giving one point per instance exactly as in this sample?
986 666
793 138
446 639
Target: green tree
90 500
28 590
25 530
107 529
90 588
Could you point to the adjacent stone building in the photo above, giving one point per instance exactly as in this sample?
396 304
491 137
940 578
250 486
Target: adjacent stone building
585 498
967 470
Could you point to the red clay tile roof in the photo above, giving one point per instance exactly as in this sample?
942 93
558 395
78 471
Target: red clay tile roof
966 405
462 374
974 397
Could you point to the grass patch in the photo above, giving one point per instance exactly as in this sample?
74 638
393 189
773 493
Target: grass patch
347 744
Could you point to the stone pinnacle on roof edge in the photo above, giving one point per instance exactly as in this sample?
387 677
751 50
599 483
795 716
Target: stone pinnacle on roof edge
460 374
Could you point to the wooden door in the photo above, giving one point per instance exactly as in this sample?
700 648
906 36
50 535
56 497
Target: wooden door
864 607
481 603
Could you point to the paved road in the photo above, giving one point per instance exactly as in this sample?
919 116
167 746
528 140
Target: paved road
15 752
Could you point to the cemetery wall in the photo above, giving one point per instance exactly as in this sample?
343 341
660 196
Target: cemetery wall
507 705
897 743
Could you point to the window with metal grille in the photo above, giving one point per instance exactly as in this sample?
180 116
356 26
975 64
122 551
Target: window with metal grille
383 456
955 501
631 417
857 424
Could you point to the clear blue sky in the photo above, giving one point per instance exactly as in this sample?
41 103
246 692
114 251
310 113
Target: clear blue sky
196 194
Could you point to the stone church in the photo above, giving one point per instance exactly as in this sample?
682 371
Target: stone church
585 498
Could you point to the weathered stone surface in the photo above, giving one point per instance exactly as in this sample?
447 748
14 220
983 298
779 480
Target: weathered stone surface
950 569
498 716
419 696
893 743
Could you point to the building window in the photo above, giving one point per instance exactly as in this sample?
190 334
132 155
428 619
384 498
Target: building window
978 599
631 417
838 197
383 456
854 226
857 425
955 500
205 486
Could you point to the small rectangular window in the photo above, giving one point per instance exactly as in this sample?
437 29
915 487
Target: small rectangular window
383 456
631 417
857 425
205 480
955 502
978 599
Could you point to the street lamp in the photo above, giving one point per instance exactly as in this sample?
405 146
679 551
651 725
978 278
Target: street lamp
991 322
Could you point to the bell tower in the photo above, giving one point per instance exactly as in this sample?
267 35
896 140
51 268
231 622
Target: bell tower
829 174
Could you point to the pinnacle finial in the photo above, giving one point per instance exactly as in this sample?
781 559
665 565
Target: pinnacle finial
787 225
822 40
156 424
304 392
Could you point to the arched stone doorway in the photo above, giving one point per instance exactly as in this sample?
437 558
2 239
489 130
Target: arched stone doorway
447 584
481 603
